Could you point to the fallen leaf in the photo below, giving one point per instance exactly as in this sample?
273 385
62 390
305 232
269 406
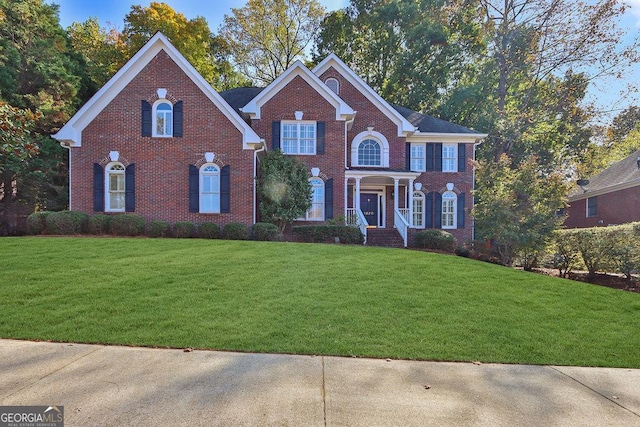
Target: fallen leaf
427 387
477 363
188 350
388 360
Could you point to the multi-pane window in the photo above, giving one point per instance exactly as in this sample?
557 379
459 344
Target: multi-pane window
418 209
592 207
115 188
449 210
316 213
209 189
163 119
417 157
298 138
449 159
369 153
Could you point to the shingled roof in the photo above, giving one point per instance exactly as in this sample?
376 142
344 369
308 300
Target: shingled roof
623 174
240 96
426 123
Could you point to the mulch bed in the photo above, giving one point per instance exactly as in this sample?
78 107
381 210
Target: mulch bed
615 281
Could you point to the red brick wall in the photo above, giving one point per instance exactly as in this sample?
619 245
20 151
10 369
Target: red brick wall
618 207
162 164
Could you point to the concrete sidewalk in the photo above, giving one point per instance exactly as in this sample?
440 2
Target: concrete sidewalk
122 386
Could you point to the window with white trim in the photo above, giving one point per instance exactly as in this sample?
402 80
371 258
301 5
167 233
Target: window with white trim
449 201
370 149
316 212
418 209
417 157
162 118
115 183
369 153
449 158
333 85
592 207
298 138
210 188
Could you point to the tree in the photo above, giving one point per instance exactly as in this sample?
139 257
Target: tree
283 189
267 36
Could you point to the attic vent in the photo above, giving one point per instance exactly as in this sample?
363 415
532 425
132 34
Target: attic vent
333 85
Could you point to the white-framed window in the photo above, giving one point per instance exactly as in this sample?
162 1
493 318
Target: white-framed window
592 207
418 209
449 201
162 118
115 184
333 84
370 149
417 157
209 188
449 158
316 212
369 153
298 137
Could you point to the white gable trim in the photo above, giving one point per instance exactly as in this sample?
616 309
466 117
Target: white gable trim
71 133
343 111
468 138
404 126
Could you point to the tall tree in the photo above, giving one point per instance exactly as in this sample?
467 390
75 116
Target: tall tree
267 36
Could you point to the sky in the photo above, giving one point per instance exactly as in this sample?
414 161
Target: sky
606 95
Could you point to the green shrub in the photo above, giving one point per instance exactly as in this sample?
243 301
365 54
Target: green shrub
265 231
127 225
99 224
235 231
184 229
435 239
328 233
159 229
208 230
67 222
37 222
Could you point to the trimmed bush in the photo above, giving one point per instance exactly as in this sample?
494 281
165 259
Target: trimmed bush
265 231
99 224
159 229
435 239
235 231
37 222
327 233
127 225
67 222
184 229
208 230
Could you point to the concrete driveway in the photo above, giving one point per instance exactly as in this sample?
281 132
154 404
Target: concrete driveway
122 386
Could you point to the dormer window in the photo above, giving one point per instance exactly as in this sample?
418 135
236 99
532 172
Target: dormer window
333 85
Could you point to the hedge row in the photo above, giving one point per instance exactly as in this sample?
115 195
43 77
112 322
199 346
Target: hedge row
71 222
435 239
611 249
329 233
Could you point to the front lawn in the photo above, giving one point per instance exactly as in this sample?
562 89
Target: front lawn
308 299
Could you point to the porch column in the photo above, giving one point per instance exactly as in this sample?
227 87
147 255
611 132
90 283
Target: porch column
410 203
396 188
356 195
346 199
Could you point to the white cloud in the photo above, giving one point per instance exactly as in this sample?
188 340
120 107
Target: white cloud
634 10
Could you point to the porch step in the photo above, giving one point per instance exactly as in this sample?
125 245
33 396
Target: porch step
387 237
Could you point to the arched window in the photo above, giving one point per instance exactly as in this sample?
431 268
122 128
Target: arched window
370 149
316 212
449 200
333 84
163 118
418 209
369 153
115 184
209 188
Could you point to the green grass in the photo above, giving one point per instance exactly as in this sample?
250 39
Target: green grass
308 299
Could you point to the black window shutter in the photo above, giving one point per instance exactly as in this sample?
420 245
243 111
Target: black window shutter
428 211
320 137
275 135
177 119
407 154
437 148
437 210
98 188
225 189
146 118
460 210
130 188
194 189
462 157
429 157
328 199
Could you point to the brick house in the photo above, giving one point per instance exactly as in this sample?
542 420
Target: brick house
612 197
158 141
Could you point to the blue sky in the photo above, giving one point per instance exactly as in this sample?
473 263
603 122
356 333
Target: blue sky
607 95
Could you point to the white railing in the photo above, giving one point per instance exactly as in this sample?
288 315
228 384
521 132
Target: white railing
405 213
355 218
402 225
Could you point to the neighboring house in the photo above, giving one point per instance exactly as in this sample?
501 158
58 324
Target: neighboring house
609 198
159 141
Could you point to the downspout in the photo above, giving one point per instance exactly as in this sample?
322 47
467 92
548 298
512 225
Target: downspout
66 145
255 177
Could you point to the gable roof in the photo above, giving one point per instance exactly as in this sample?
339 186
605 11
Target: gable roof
71 133
431 124
240 96
619 176
253 107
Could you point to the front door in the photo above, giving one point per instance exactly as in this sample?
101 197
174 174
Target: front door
369 207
